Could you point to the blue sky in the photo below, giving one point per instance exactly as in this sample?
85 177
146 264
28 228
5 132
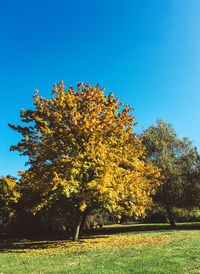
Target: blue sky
147 52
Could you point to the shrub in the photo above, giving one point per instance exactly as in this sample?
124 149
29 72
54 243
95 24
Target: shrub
187 215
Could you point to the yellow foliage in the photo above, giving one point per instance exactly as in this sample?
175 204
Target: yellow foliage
8 189
83 141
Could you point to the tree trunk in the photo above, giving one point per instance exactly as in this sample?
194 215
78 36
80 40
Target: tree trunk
77 227
85 214
168 208
170 215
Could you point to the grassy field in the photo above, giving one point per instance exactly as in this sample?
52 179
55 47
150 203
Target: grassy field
137 251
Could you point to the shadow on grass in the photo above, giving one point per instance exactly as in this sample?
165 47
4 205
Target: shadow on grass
48 242
16 246
21 246
142 227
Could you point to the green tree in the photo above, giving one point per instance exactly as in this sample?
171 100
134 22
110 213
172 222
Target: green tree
191 187
178 160
80 141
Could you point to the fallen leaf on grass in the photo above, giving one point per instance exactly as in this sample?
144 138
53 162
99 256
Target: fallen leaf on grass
101 243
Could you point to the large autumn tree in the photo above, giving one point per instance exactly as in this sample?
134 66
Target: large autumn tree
179 161
81 142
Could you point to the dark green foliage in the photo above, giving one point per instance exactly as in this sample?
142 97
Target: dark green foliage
156 215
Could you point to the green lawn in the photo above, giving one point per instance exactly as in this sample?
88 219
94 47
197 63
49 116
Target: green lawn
161 251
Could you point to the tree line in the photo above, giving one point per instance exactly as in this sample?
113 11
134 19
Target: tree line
84 157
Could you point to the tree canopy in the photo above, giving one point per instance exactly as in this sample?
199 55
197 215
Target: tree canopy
82 142
179 162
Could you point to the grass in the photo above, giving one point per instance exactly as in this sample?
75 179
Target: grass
153 251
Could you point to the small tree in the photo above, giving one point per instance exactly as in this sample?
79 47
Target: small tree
9 196
178 160
83 141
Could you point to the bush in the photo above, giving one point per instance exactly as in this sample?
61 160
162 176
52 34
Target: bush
187 215
159 215
156 215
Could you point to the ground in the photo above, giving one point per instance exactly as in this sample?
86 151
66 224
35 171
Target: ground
137 251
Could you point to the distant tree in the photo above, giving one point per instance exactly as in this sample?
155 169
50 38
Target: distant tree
9 196
191 174
83 142
178 160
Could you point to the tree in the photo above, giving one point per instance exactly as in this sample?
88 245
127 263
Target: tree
9 196
191 175
178 160
83 142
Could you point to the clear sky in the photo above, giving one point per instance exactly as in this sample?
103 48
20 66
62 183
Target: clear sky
147 52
